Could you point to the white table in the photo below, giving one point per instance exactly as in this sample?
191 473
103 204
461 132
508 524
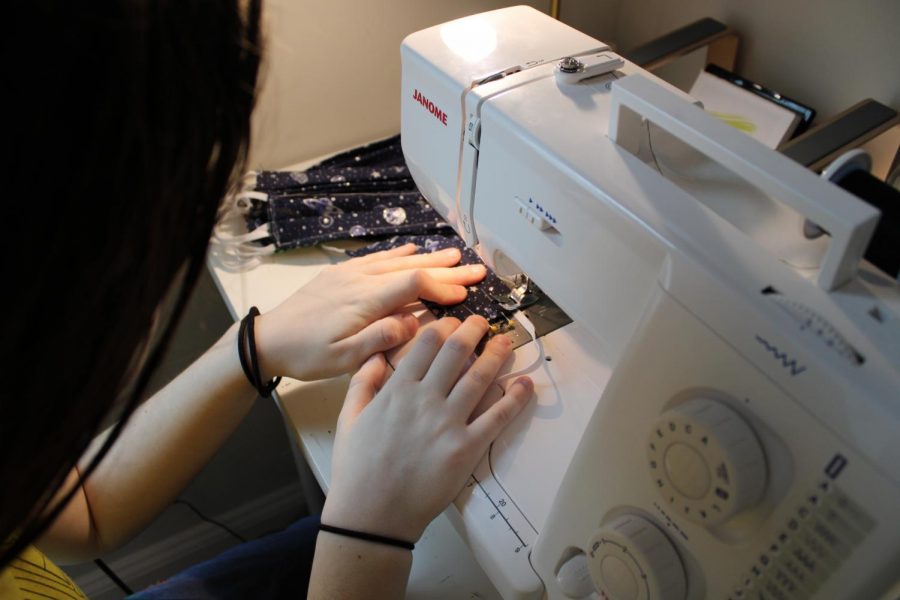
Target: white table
443 566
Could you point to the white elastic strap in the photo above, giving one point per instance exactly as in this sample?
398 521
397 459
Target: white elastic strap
240 203
248 181
252 194
536 363
221 236
240 256
240 251
333 249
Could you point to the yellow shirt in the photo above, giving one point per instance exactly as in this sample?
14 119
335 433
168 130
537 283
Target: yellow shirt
32 576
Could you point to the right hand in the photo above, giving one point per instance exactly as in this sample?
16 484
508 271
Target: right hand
405 447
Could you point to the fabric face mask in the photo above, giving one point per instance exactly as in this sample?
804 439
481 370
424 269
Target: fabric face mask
295 221
366 192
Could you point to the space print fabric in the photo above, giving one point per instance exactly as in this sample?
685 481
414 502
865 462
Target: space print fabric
319 180
365 192
292 227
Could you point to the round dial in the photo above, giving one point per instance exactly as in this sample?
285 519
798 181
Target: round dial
706 461
631 559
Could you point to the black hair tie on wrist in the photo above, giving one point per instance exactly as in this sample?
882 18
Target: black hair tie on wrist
250 364
368 537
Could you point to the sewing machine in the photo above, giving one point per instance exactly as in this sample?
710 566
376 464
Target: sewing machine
721 417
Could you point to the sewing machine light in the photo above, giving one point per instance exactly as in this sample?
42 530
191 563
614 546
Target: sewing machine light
471 39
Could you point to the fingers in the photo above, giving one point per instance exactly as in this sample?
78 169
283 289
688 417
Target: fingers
488 426
426 287
473 385
490 398
404 250
406 279
426 320
444 258
380 336
461 275
364 385
415 363
403 288
455 355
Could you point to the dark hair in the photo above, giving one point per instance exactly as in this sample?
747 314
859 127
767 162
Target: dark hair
127 124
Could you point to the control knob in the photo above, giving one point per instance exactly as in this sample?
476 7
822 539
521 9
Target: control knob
706 461
631 559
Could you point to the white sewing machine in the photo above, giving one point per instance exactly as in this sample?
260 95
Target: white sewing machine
721 418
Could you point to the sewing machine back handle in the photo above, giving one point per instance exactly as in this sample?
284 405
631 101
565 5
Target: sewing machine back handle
848 220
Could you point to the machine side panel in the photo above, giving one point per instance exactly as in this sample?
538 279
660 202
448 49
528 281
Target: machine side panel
813 499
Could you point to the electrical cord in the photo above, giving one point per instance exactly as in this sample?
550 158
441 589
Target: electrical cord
107 570
113 577
212 521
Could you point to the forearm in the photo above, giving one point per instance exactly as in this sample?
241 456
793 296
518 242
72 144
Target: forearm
165 444
345 567
330 326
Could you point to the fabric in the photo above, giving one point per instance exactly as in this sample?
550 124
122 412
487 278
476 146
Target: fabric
271 567
377 216
32 575
366 192
319 180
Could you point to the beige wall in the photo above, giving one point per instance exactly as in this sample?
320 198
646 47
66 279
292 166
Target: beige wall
333 70
597 18
332 77
827 53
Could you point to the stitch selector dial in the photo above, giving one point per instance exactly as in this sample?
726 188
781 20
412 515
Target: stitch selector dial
631 559
706 461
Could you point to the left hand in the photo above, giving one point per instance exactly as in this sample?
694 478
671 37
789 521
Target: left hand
405 446
351 311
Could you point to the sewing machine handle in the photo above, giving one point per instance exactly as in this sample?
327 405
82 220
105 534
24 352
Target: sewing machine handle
850 221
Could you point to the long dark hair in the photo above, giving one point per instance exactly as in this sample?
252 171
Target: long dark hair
127 124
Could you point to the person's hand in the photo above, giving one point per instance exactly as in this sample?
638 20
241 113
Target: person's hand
349 312
405 447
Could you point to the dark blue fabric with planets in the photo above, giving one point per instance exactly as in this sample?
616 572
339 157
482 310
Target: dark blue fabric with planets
318 180
366 192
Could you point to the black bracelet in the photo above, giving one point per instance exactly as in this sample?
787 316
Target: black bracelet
369 537
242 355
250 365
